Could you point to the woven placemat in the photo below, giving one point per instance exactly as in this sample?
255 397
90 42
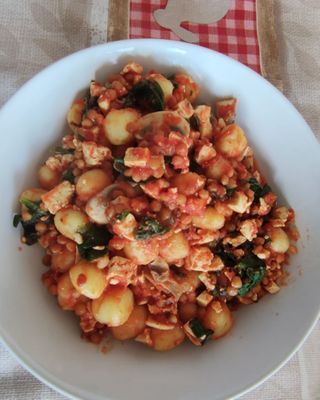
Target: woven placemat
244 30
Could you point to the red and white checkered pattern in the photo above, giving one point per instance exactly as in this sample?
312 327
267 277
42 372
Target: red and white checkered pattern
234 35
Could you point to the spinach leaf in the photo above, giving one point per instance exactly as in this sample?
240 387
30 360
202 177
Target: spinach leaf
90 102
228 259
199 331
148 228
177 271
251 270
194 122
246 246
68 176
34 209
91 254
122 215
218 292
29 231
259 191
93 236
118 165
146 95
16 220
230 192
62 150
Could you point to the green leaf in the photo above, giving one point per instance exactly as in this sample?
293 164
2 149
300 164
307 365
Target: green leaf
199 331
118 165
259 191
34 209
218 292
16 220
62 150
122 215
30 233
194 122
90 102
147 95
228 259
93 236
251 270
80 137
68 176
91 254
230 192
265 190
150 227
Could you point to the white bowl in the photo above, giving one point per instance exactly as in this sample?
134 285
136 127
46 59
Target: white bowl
46 340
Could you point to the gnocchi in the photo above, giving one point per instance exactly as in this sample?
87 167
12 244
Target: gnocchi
70 222
175 248
48 178
88 279
210 220
114 306
218 318
232 141
279 240
92 182
63 261
116 125
66 293
164 340
134 325
142 252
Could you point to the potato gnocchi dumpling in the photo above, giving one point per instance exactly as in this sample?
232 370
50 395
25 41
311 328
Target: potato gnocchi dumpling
114 306
154 218
133 326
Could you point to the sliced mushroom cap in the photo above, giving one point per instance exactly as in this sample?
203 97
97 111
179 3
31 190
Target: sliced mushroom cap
96 207
159 269
165 121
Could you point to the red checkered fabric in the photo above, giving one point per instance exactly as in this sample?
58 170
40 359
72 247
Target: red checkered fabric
234 35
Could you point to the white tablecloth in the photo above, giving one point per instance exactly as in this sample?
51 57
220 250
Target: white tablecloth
33 33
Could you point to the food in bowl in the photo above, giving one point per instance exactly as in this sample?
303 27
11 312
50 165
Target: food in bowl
154 217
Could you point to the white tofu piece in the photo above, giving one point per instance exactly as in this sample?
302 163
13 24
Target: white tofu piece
59 197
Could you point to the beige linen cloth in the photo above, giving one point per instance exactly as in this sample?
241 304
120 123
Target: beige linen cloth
34 33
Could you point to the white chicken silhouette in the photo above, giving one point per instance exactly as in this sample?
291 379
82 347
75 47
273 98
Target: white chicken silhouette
194 11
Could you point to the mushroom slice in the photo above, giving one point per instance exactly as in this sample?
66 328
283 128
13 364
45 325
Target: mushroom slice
165 121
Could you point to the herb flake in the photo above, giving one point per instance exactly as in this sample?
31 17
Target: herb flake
62 150
259 191
122 215
228 259
118 165
68 176
230 192
251 270
146 95
199 331
150 227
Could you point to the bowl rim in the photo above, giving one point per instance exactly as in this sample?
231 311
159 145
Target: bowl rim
18 353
